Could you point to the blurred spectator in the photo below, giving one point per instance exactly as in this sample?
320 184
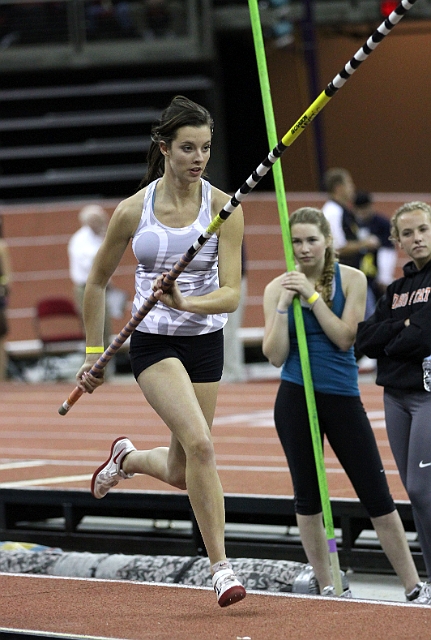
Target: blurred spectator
338 211
378 264
82 249
349 245
5 274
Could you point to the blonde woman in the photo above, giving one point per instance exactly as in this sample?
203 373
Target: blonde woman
398 334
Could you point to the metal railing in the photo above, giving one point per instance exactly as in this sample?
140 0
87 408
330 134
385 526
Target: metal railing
51 33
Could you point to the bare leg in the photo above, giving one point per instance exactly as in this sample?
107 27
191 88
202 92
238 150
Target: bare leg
160 463
315 545
190 460
392 537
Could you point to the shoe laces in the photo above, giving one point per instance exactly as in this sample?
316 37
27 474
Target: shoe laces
328 591
109 472
225 578
424 596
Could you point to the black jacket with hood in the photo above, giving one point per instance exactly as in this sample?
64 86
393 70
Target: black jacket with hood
399 349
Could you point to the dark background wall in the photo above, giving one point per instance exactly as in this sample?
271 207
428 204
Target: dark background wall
378 125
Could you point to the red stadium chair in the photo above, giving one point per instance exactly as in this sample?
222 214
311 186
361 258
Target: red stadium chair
58 326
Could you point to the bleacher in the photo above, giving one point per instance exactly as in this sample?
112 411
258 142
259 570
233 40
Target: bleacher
71 140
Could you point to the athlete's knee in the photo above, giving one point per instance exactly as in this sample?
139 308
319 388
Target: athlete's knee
200 450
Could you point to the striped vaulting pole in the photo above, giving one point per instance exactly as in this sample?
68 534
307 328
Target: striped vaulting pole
307 117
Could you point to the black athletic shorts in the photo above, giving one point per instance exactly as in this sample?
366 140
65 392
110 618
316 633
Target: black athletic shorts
201 355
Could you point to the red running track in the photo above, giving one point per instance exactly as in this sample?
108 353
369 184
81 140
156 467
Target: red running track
41 448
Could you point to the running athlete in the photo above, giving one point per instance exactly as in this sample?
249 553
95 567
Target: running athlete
177 350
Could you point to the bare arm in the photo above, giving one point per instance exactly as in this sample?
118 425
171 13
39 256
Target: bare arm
276 302
341 331
355 246
121 228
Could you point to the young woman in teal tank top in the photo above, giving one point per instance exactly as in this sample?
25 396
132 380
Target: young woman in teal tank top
333 300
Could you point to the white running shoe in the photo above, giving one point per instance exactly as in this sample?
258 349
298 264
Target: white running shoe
329 592
110 473
227 587
423 592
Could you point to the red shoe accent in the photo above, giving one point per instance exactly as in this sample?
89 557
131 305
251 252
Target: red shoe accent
232 595
102 466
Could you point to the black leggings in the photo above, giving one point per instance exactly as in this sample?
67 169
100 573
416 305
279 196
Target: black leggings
344 422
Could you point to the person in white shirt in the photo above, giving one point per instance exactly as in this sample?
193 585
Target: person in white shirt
348 243
344 228
82 249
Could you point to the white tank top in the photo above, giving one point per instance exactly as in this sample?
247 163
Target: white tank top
157 248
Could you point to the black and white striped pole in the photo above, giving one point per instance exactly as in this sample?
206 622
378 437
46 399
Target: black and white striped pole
299 126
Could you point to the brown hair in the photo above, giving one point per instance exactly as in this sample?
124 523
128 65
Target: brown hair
333 177
181 112
407 208
310 215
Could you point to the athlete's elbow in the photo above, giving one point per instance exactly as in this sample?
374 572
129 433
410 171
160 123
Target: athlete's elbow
346 342
274 357
232 306
232 301
275 361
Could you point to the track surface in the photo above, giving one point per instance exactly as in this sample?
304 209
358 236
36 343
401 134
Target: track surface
140 612
41 448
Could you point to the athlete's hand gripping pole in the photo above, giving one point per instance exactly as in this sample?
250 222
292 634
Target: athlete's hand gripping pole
151 301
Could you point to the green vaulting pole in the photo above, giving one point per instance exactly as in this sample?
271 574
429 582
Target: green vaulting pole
297 311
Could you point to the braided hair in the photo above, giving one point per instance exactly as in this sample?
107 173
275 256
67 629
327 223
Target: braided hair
181 112
310 215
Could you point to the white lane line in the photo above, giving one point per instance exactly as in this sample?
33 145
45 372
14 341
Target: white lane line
21 464
71 435
50 634
378 424
244 420
42 481
376 415
60 462
85 478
